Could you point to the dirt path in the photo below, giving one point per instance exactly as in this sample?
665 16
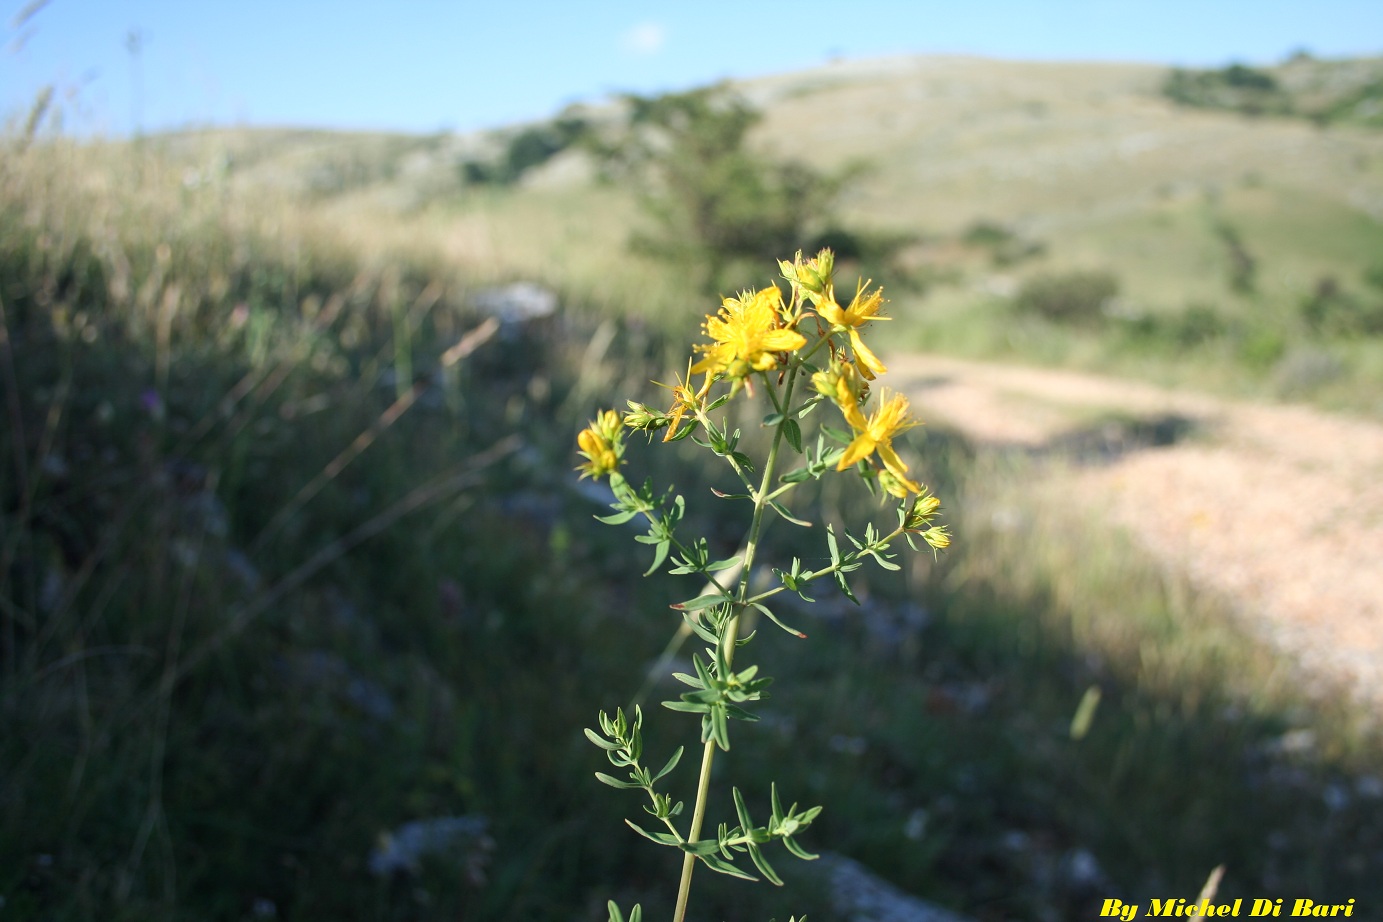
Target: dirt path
1279 508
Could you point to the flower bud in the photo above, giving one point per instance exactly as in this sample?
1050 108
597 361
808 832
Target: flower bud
644 418
923 508
938 537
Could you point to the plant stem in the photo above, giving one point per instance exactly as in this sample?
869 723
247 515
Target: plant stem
727 645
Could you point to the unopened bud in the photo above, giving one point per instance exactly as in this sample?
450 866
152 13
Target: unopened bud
644 418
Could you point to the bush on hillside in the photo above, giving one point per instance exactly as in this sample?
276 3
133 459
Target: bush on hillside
1069 297
526 150
1005 246
1333 310
1237 88
716 206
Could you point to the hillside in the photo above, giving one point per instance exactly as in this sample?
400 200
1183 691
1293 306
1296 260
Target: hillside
1215 228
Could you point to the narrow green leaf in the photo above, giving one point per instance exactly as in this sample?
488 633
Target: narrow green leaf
700 629
772 420
721 866
777 804
688 707
774 618
659 555
600 741
702 671
671 764
741 810
739 713
684 433
720 727
792 846
839 435
619 518
845 587
703 847
723 564
757 856
783 511
662 838
614 782
700 602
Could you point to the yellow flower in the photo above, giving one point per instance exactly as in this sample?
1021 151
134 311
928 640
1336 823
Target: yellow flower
746 336
841 382
683 399
601 444
864 308
875 434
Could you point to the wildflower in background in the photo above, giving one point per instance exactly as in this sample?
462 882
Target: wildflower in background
863 308
602 445
875 434
747 336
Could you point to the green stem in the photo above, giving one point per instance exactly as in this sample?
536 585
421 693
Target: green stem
727 646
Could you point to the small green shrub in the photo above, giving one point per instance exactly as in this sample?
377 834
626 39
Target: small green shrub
1237 88
526 150
1004 245
1069 297
1333 310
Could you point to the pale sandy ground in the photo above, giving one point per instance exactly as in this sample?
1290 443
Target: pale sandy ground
1278 508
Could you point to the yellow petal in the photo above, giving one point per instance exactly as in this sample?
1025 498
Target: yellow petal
853 416
869 363
832 313
782 341
589 442
856 451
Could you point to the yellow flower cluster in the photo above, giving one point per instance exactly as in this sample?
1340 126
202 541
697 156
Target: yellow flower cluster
845 382
602 444
757 332
747 336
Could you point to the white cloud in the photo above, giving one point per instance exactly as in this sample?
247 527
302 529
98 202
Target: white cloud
646 38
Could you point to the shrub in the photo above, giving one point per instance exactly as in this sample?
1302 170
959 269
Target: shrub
1332 310
716 206
1004 245
1069 297
1237 88
530 148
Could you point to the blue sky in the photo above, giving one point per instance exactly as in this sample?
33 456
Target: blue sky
425 65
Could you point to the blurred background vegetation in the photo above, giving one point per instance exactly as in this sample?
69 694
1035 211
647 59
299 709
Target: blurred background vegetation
291 554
